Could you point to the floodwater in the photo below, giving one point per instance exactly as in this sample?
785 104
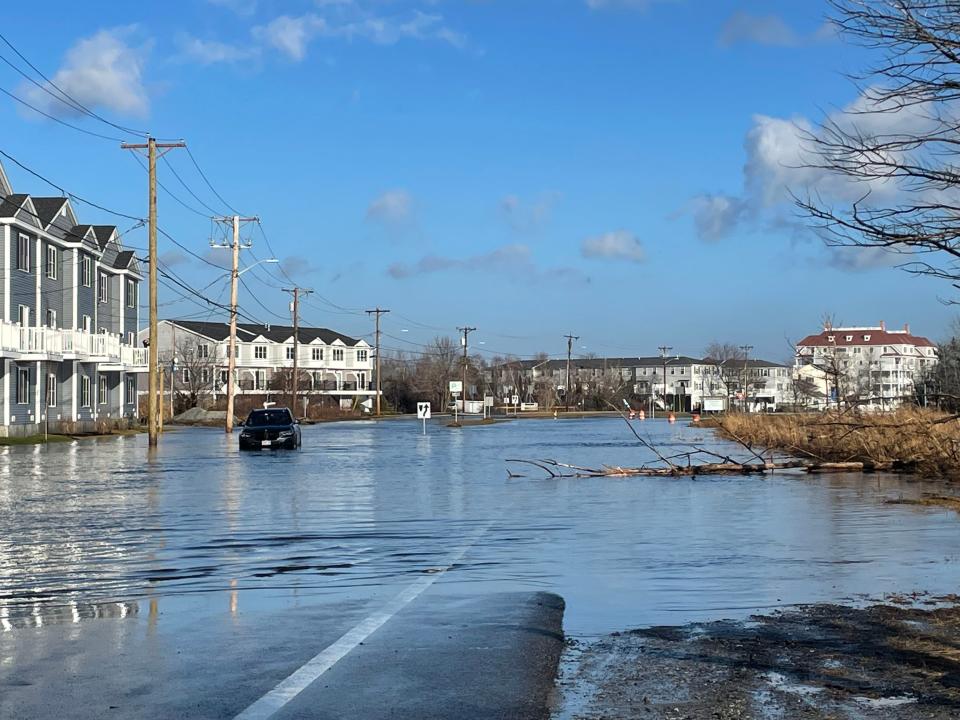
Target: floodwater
99 528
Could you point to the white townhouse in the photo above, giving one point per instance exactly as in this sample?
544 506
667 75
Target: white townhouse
68 319
757 385
329 363
872 366
676 381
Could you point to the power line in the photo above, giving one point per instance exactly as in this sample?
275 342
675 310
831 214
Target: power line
69 101
213 189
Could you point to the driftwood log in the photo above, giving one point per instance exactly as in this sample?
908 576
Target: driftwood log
555 469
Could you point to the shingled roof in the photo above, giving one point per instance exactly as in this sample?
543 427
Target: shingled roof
837 337
275 333
103 233
12 204
123 260
47 208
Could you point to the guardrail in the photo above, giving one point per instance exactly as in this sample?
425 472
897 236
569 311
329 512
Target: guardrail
84 345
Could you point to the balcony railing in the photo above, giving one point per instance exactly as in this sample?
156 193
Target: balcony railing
75 344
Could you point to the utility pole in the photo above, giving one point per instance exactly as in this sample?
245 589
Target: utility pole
151 147
746 353
566 394
466 331
664 349
296 292
377 312
234 280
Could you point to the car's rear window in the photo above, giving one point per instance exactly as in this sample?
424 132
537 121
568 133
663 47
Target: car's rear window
269 417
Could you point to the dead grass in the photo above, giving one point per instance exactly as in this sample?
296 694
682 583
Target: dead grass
925 441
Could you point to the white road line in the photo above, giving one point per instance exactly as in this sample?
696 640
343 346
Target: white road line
301 678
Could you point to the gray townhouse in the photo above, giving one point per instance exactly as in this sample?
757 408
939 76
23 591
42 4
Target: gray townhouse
68 320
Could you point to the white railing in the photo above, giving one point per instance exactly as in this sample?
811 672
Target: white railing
83 345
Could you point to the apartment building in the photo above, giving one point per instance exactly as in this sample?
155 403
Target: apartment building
676 381
330 364
872 366
757 385
68 320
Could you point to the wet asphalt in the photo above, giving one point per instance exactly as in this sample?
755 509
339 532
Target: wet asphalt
439 657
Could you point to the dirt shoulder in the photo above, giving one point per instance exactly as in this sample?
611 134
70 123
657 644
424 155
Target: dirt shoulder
816 663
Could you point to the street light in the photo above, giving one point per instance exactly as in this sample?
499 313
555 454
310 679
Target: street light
258 262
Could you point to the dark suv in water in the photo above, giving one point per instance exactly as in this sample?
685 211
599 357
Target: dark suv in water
270 428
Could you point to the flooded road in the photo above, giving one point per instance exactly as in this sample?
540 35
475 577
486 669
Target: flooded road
95 528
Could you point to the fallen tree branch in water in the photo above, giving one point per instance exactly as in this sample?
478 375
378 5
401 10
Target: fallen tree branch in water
555 469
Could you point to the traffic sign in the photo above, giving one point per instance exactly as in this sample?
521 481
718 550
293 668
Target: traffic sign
456 386
423 413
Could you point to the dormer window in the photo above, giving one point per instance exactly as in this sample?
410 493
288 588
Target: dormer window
830 338
849 338
866 338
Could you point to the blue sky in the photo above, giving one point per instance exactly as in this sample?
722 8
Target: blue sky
612 168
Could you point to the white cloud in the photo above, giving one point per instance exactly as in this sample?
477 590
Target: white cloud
528 217
781 164
210 52
616 245
743 27
291 35
99 71
513 258
715 216
394 207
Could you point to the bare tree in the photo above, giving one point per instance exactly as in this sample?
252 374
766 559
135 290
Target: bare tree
196 369
723 351
900 142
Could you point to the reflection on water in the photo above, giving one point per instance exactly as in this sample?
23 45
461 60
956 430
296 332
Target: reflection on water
366 507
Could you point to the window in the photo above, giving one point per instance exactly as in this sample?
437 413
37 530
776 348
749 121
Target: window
866 338
260 352
104 288
830 338
23 316
203 352
131 294
131 390
52 319
101 390
86 271
52 262
185 375
51 390
289 353
849 338
204 375
23 386
23 253
85 391
87 324
131 338
261 379
316 353
223 377
361 355
337 354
